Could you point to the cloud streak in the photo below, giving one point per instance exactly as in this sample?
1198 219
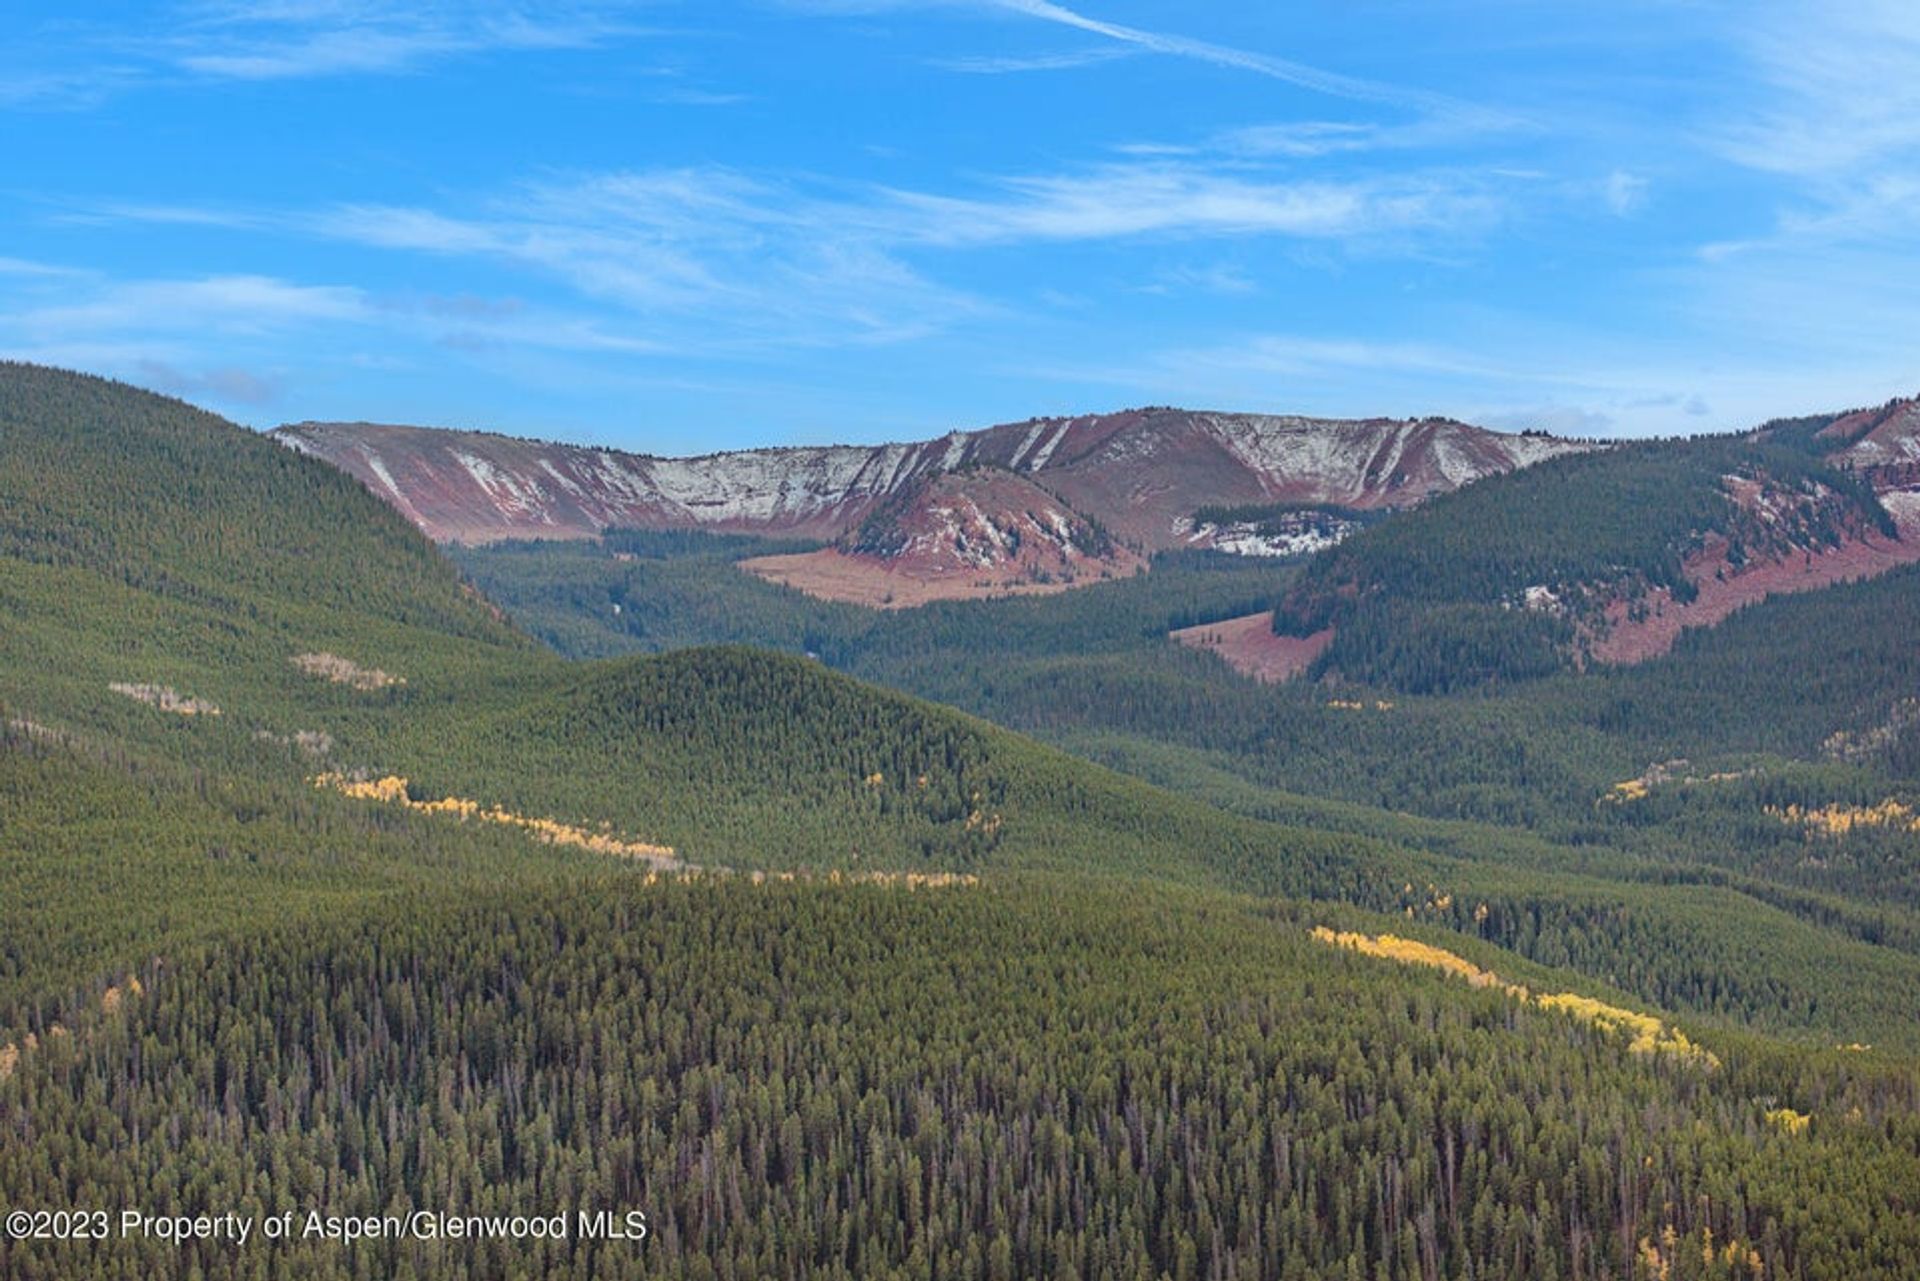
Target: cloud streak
77 64
273 42
729 260
1294 73
1837 86
989 65
1132 200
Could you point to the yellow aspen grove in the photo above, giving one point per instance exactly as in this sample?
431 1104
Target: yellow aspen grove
1650 1035
1787 1119
1838 820
392 790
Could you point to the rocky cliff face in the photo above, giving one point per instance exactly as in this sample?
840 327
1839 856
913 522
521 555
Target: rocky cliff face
1139 474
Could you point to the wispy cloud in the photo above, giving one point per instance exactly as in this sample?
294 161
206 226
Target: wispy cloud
1184 200
242 304
26 267
1562 420
231 384
995 65
191 335
79 63
1218 278
1827 116
1516 375
1623 192
1301 356
278 41
1262 64
1839 89
748 259
1314 139
84 87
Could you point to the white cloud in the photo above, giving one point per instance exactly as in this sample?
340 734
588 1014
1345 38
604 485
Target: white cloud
1183 200
712 252
1838 87
721 258
240 304
24 267
1216 279
1296 73
79 63
185 335
1306 139
1561 420
1624 192
1596 384
1296 355
992 65
253 41
228 383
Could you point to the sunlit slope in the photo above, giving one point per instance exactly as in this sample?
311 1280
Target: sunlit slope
745 758
184 599
156 494
234 659
164 574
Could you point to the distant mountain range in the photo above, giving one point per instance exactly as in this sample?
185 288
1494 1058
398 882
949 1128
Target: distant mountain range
1034 505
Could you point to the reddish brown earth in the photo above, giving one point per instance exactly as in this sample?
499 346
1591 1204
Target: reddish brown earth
1877 438
1250 647
830 574
1038 505
962 536
1138 473
1142 472
1723 590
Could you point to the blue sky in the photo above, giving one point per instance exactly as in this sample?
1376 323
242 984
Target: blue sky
678 227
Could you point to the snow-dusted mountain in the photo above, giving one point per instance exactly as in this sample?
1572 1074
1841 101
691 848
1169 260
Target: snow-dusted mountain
1140 473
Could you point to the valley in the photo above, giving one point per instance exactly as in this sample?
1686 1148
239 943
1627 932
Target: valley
962 861
1024 640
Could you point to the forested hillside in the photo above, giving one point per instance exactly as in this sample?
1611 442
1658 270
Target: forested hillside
1041 1078
323 886
1795 702
1516 577
157 495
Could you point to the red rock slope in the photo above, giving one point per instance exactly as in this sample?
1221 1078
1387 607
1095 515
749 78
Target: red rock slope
1137 472
958 535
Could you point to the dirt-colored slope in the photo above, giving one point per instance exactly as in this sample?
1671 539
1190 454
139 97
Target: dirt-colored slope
961 536
1249 646
830 574
1649 626
1139 473
1870 439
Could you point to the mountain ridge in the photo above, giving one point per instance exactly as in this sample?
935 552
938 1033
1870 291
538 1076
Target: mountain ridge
1137 474
509 486
1610 556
